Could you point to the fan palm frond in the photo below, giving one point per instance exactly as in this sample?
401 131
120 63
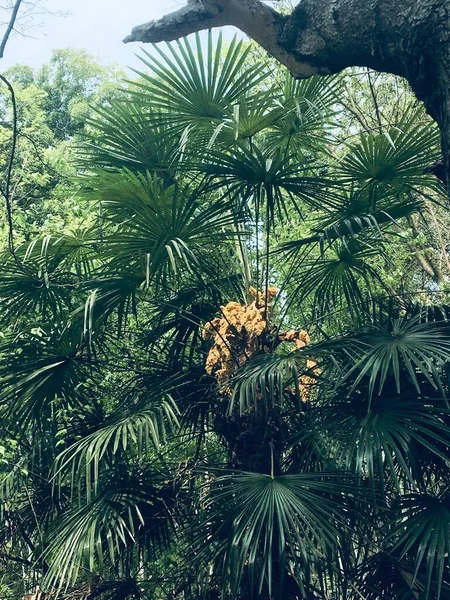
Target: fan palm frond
192 89
307 110
269 379
42 367
384 437
266 523
421 531
33 288
396 347
162 229
141 426
357 215
256 173
341 273
88 536
130 136
394 162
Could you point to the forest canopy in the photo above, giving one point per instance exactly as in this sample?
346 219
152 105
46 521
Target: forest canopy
225 343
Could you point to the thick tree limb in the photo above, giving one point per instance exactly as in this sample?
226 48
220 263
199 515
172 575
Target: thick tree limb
410 38
257 20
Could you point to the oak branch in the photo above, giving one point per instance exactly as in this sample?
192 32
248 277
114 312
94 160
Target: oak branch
410 38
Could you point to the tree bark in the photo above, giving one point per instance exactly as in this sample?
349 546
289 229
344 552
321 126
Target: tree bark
410 38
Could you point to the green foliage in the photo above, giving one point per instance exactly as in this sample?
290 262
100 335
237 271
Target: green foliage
53 104
168 429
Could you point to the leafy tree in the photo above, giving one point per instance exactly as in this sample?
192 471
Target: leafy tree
73 79
213 388
52 104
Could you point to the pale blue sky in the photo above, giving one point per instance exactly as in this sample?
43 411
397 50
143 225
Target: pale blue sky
95 25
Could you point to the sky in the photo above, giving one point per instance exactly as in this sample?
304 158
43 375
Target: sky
98 26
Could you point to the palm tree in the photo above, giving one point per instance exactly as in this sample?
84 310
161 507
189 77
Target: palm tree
212 390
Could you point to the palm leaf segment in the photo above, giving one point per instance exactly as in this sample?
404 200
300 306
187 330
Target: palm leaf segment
402 345
161 231
92 537
421 530
42 368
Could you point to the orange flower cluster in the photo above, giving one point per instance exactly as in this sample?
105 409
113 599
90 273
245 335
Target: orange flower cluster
238 335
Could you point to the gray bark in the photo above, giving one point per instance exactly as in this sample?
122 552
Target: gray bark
410 38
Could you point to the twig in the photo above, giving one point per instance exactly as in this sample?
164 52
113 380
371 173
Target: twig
375 102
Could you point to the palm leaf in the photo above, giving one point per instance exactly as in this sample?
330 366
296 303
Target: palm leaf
41 368
308 106
141 426
162 230
266 522
359 213
396 347
270 379
130 135
341 273
91 534
388 436
192 90
394 161
421 530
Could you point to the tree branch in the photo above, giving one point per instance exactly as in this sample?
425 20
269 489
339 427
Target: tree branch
259 21
6 557
7 189
10 27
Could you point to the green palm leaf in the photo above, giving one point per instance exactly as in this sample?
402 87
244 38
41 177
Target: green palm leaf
396 347
41 368
130 136
341 273
249 173
162 230
422 530
358 214
266 523
88 536
193 89
33 288
308 106
270 379
394 162
140 427
388 436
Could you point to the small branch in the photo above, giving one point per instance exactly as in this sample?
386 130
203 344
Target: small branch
5 556
7 188
424 260
439 234
10 27
191 18
375 102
